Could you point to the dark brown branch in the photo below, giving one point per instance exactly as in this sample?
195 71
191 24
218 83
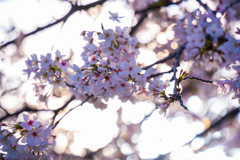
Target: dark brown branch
198 79
232 4
144 13
171 56
205 6
73 9
181 102
176 91
202 4
176 64
177 94
140 21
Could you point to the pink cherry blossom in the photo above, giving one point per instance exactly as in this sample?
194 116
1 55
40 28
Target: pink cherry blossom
29 123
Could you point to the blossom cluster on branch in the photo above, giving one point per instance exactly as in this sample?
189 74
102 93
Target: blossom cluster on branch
29 139
209 44
46 72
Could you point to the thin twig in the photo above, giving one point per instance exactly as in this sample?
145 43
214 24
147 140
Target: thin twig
161 61
198 79
181 102
27 108
55 125
159 74
61 108
70 85
171 56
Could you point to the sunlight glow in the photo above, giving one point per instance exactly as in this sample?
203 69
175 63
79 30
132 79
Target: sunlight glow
197 143
195 105
184 152
61 143
161 38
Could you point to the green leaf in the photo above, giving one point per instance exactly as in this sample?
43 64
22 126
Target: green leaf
102 26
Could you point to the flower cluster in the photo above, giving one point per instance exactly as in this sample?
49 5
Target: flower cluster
47 71
111 70
230 84
208 44
27 140
230 12
203 40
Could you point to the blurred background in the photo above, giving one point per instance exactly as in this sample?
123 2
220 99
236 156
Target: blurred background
113 130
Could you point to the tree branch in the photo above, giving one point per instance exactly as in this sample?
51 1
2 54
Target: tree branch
205 6
61 108
26 108
161 61
181 102
229 116
140 21
171 56
144 15
73 9
232 4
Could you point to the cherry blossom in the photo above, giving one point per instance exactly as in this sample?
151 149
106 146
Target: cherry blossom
28 139
29 123
163 107
114 16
